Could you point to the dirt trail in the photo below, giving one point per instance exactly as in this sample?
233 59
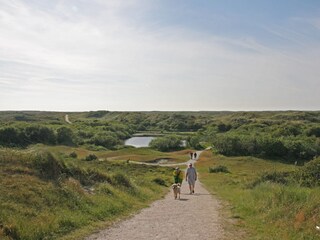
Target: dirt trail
66 118
171 164
192 217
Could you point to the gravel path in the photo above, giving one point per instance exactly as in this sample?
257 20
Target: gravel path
66 118
192 217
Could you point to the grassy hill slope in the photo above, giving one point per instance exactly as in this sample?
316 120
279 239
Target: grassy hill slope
48 196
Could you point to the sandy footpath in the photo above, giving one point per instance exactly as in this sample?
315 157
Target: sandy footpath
66 118
192 217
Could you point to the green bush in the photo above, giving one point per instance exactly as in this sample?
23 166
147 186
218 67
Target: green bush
218 169
40 134
306 176
10 231
290 149
309 175
314 131
93 147
48 166
91 157
65 136
167 143
107 140
121 180
73 155
11 137
273 177
223 127
194 142
97 114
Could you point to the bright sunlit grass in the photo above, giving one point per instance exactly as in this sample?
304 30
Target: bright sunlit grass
268 210
53 197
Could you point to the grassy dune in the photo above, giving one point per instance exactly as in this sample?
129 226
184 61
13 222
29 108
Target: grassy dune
53 196
265 210
124 154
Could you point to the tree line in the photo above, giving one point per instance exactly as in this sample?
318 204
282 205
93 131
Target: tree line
289 135
104 134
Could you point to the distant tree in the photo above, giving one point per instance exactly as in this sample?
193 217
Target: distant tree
97 114
40 134
65 136
10 136
167 143
314 131
105 140
272 147
194 142
222 127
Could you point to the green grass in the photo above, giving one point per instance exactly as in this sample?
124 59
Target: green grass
51 196
268 210
132 154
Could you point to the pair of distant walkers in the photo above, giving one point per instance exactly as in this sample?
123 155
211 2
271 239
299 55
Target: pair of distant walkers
193 155
191 177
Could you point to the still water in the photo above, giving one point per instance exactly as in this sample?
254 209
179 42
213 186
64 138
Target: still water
138 141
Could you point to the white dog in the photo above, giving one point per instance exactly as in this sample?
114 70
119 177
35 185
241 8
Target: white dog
176 190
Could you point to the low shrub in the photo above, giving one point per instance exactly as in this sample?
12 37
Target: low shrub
65 136
91 157
87 176
306 176
309 175
73 155
104 189
218 169
121 180
10 231
159 181
273 177
48 166
93 147
167 143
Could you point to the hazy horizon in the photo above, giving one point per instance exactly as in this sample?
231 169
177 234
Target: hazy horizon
161 55
95 110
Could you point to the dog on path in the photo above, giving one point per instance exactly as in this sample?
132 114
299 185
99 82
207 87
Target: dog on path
176 190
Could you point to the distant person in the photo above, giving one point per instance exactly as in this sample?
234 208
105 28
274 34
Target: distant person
177 175
191 177
195 155
191 155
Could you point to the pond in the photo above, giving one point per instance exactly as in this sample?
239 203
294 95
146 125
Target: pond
138 141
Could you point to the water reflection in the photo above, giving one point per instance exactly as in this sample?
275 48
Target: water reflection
138 141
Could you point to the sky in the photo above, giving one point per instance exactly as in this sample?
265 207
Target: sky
144 55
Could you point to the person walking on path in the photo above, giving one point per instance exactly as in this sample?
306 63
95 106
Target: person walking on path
191 155
191 177
177 176
195 155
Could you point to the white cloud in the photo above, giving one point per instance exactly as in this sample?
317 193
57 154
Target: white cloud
92 55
